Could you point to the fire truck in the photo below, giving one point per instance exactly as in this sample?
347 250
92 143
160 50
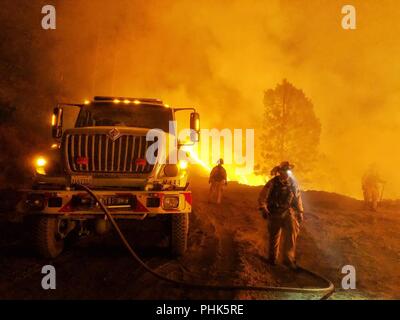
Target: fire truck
106 150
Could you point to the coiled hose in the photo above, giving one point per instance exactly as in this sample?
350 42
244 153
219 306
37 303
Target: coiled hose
326 292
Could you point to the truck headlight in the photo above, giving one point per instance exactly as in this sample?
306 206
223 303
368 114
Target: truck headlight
183 164
170 202
40 165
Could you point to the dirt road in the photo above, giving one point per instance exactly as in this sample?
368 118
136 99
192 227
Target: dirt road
227 244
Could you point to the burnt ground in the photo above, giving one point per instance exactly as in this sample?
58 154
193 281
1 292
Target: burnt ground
227 245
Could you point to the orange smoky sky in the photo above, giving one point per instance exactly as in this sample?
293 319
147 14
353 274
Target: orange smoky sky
221 56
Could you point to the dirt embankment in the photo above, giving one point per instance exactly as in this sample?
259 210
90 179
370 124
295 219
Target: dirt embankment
227 244
337 231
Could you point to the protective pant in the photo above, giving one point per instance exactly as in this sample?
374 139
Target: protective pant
371 197
216 191
283 228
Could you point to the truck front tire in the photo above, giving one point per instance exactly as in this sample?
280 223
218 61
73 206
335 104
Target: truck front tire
47 241
179 234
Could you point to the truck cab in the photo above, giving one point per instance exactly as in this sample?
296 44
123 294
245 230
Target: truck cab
109 150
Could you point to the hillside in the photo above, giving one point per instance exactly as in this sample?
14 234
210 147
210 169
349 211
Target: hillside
227 245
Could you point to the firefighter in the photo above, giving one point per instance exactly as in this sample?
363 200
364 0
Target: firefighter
280 203
370 183
217 181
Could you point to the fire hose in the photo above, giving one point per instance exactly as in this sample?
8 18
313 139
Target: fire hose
326 291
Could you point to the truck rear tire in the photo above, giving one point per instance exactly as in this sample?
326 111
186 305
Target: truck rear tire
179 234
47 241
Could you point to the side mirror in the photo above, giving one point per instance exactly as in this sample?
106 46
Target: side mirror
57 123
195 126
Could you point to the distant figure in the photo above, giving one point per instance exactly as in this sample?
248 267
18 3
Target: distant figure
370 183
217 181
280 203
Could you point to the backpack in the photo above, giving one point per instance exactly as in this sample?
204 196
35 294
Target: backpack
219 174
282 196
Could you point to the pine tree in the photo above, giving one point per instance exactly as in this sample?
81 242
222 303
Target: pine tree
291 130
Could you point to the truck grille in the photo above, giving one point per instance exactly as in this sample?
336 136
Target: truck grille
97 153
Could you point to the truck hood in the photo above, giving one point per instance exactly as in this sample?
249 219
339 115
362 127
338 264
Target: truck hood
106 130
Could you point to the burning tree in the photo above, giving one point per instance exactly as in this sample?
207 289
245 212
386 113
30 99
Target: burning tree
291 130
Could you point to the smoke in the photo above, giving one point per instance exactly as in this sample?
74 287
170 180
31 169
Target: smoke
220 56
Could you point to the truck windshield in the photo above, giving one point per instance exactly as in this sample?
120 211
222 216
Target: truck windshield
139 116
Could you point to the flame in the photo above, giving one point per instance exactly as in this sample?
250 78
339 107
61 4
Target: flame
195 157
250 179
234 173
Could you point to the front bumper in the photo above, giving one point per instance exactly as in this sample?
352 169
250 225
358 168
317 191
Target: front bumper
60 181
122 203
